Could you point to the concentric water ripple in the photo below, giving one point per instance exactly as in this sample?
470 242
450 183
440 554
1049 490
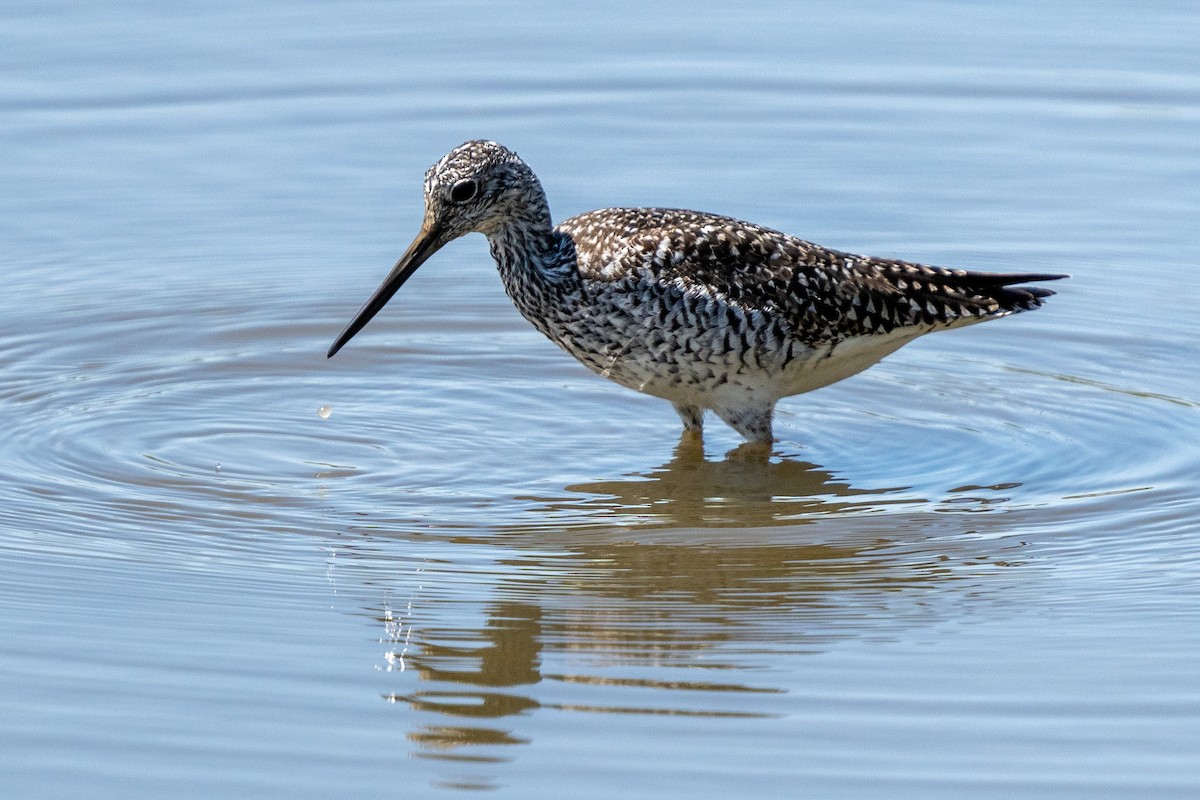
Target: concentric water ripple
216 420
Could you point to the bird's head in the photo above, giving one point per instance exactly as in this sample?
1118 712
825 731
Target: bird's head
476 187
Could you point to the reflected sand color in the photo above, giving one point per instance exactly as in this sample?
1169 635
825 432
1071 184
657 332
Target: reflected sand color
505 653
710 565
690 491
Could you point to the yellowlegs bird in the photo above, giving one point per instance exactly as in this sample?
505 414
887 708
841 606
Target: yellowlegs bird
705 311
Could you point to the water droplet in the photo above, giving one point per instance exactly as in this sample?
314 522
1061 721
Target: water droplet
324 411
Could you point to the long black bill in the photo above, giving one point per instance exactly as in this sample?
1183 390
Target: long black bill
425 245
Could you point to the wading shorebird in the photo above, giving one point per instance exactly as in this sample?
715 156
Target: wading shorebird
705 311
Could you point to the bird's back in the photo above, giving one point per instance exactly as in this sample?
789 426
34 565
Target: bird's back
822 295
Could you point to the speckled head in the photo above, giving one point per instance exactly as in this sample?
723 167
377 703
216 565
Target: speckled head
479 186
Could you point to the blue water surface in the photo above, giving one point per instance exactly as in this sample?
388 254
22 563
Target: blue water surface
970 571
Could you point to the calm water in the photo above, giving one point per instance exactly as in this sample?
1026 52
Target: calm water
971 571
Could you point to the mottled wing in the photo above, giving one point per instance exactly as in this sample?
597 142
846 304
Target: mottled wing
824 295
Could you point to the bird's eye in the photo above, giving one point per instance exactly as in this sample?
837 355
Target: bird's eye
463 190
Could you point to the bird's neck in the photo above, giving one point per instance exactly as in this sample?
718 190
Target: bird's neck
526 247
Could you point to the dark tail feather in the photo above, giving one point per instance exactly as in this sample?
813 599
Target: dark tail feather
917 294
1002 288
1009 278
1019 298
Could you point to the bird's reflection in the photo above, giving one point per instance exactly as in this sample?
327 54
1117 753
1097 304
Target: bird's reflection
690 491
507 655
700 563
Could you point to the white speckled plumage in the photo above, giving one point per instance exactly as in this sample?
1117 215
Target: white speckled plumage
705 311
